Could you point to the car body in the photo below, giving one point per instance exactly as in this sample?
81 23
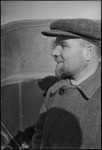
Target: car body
27 72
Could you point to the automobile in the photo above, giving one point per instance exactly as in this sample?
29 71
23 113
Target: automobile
27 72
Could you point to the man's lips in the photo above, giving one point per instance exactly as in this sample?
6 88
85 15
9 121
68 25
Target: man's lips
58 61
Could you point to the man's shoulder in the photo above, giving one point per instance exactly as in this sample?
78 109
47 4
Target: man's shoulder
55 87
98 93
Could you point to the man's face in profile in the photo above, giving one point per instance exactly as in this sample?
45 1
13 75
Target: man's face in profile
68 53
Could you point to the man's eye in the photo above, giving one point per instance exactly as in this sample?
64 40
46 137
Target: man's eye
63 46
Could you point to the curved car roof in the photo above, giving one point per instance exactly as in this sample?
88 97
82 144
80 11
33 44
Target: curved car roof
25 52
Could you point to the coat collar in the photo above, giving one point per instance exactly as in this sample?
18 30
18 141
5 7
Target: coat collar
88 87
91 84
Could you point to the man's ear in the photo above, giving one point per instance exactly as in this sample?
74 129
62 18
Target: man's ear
88 52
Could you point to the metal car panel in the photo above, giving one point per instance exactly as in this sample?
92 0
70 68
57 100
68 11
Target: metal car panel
27 72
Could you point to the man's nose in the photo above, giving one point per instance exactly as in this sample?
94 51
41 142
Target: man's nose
56 51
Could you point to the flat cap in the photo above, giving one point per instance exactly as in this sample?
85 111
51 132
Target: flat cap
87 29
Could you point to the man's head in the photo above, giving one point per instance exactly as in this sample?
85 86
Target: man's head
77 45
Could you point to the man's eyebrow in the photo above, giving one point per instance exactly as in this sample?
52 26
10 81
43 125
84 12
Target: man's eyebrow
63 42
60 42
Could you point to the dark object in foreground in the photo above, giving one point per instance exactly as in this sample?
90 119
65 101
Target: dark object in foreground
20 105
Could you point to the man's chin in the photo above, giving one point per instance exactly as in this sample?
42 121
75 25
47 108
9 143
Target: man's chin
62 75
59 74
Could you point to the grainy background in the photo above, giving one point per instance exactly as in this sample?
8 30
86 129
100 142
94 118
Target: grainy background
19 10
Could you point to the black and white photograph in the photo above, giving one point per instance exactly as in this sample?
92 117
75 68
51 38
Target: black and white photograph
50 74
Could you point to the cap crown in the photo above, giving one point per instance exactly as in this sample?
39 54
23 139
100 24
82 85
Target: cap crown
83 27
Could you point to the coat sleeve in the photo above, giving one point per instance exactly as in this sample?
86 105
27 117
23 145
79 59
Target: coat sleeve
37 137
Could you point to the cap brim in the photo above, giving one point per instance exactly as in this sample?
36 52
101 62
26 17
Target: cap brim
54 33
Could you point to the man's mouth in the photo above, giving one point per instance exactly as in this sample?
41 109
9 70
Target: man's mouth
58 61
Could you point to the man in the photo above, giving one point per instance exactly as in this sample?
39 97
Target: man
70 117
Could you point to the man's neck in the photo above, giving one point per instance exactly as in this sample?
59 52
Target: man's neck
83 75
